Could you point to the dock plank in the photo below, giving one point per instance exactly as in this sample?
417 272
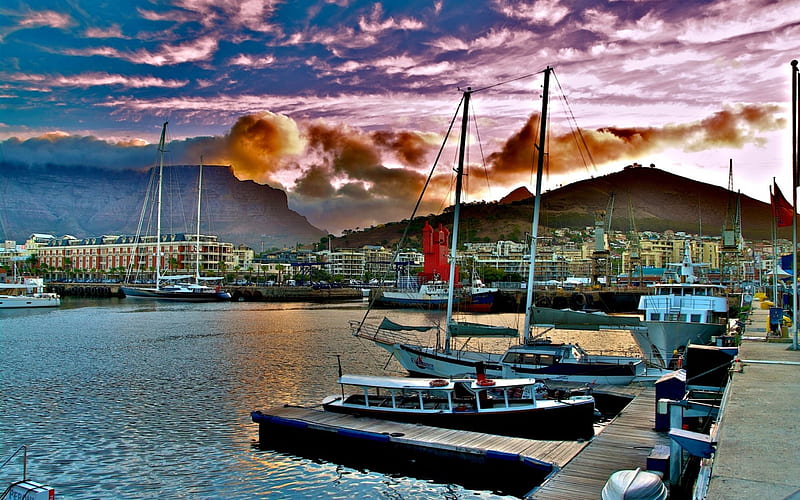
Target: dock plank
624 443
557 453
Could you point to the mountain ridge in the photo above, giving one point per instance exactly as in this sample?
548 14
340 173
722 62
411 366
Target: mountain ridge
660 200
86 202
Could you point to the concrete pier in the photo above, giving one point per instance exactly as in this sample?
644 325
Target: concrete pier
757 454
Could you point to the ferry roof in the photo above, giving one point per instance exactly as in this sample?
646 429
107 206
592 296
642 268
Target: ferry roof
685 285
412 383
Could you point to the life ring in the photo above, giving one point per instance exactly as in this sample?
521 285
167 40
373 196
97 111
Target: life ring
485 382
578 300
438 382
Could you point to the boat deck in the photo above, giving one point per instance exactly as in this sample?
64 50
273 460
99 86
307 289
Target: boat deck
557 453
625 443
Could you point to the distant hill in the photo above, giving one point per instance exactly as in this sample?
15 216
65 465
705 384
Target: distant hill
87 202
519 194
659 200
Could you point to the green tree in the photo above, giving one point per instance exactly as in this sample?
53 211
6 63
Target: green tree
318 274
489 274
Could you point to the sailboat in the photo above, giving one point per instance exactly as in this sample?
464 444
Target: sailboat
533 357
176 288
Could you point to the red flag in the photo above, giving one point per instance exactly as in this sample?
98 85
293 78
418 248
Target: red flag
781 209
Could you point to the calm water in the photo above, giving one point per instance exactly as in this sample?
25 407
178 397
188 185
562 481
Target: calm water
118 398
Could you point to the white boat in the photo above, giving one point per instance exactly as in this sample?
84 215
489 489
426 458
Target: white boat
561 362
679 312
511 407
177 288
432 294
540 358
30 292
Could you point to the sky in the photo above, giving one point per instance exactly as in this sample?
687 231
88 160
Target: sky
344 104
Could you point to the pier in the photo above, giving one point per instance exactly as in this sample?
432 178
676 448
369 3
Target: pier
571 469
625 443
238 293
756 454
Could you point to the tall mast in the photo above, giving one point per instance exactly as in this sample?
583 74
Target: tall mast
161 151
795 182
536 204
197 249
775 264
456 215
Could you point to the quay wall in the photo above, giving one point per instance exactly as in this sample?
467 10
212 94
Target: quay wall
238 293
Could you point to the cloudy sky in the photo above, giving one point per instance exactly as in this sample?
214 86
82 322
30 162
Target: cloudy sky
344 103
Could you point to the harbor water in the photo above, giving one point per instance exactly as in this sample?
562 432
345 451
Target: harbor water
119 398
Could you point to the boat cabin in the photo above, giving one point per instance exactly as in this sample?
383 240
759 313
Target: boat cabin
684 303
439 395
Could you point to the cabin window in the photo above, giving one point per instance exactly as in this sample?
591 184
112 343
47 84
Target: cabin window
655 316
513 358
695 318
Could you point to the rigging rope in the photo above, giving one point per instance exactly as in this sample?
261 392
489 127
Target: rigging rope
580 140
419 200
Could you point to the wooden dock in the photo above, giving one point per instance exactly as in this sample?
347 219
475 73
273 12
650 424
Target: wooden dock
574 469
556 453
625 443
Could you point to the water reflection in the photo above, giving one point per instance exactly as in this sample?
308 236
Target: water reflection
120 398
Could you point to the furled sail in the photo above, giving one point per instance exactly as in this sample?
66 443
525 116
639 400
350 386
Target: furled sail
465 329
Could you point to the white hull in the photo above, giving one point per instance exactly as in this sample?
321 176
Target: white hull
428 362
180 294
660 339
29 292
22 301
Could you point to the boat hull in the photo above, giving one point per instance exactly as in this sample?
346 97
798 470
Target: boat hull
427 362
411 299
570 420
660 339
22 301
179 296
478 302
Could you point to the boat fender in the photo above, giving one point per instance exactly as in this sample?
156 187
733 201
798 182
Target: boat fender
438 382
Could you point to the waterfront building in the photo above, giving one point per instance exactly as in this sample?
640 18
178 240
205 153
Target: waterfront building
107 255
243 257
347 263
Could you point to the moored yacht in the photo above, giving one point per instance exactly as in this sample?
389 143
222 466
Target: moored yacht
563 362
680 312
30 292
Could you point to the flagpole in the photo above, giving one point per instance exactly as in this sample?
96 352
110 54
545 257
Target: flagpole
795 182
774 248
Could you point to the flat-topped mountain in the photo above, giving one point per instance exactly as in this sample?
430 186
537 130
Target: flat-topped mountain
88 202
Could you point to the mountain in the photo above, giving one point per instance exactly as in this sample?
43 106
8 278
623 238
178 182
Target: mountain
659 200
519 194
88 202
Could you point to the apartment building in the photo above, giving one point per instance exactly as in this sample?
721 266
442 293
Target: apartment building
114 254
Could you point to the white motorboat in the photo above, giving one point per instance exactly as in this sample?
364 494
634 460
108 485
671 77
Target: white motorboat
505 406
30 292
